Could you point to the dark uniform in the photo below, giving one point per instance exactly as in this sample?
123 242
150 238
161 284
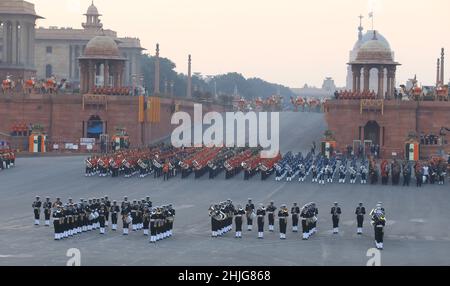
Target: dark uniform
283 215
146 219
107 209
58 220
47 211
115 211
406 174
271 215
37 210
238 221
102 218
335 215
249 209
126 216
153 221
295 212
261 214
378 222
360 212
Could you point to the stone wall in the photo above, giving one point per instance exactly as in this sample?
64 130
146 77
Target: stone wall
62 116
399 118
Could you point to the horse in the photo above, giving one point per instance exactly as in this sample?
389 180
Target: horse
8 85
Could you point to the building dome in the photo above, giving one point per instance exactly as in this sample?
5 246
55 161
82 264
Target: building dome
375 51
102 47
368 36
92 10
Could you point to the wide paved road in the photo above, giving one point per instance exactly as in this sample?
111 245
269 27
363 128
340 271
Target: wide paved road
418 231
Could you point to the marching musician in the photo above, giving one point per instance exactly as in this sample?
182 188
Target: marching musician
107 208
126 215
342 174
37 210
364 172
295 212
335 215
147 201
379 222
57 203
360 212
47 210
115 210
353 174
271 208
171 218
249 210
146 219
305 225
165 171
315 213
102 217
153 220
134 210
57 222
283 215
238 220
314 174
261 214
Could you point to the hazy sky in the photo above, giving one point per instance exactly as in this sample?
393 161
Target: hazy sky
291 42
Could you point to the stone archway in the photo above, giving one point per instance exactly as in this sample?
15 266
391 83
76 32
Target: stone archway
94 127
372 132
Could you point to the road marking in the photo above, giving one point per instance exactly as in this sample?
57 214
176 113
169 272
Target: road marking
429 238
274 192
417 220
15 256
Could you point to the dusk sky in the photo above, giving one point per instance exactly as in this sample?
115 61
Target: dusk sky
291 42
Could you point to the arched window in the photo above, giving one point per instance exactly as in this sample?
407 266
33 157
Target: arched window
48 71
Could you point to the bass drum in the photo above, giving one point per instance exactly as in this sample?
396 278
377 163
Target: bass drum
129 219
96 215
91 216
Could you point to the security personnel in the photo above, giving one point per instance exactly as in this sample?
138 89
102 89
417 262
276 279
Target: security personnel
295 212
406 174
283 215
47 210
249 210
37 210
261 214
115 210
335 215
238 220
271 208
360 212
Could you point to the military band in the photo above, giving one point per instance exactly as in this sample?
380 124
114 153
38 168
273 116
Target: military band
71 218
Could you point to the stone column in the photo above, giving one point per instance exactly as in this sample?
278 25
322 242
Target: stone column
388 85
157 90
32 44
189 83
23 44
366 78
14 41
5 41
354 79
106 74
91 77
358 79
381 82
